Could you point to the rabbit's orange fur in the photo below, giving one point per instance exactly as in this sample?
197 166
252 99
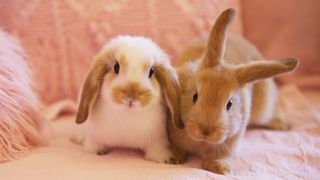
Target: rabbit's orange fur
219 75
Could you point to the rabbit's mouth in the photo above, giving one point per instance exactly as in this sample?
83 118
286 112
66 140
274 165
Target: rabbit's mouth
217 136
130 103
132 95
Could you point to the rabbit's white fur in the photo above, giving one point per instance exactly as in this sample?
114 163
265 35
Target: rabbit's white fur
111 124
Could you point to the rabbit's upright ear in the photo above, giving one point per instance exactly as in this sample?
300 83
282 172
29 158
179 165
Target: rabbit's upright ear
214 51
91 88
258 70
168 80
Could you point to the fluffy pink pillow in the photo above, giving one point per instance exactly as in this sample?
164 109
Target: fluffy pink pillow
62 36
20 122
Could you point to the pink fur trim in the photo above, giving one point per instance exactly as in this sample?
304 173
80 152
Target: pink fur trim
20 120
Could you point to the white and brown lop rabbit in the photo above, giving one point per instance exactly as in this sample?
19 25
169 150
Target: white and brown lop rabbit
127 97
218 98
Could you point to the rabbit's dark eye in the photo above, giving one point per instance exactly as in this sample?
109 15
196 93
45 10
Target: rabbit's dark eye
151 72
229 105
116 68
195 97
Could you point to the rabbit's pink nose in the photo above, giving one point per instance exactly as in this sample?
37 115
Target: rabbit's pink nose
130 102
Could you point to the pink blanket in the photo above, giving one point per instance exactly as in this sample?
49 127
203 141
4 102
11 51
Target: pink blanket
264 154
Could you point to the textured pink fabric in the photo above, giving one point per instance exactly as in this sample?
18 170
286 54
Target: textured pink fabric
264 154
20 121
61 36
287 27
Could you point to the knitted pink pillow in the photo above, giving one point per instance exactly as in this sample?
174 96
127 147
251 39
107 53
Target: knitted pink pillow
61 36
20 121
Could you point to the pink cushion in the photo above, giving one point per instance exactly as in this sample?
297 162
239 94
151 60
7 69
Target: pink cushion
62 36
20 122
284 28
264 154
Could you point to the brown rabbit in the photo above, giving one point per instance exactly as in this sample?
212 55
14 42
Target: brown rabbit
218 98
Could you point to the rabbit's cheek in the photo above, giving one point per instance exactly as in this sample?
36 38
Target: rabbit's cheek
234 127
235 122
194 132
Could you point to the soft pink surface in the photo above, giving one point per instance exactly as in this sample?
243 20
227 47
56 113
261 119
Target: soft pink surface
61 36
20 121
265 154
281 28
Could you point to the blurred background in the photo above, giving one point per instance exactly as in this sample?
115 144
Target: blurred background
60 37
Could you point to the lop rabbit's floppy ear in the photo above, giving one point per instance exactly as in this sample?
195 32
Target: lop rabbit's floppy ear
264 69
214 52
91 88
167 78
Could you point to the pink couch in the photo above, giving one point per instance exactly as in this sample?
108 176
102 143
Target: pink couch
61 37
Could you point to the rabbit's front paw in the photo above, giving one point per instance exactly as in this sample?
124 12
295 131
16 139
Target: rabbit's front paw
103 151
180 155
94 148
161 155
216 167
278 123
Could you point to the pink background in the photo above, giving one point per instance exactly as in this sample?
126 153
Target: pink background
287 28
61 36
